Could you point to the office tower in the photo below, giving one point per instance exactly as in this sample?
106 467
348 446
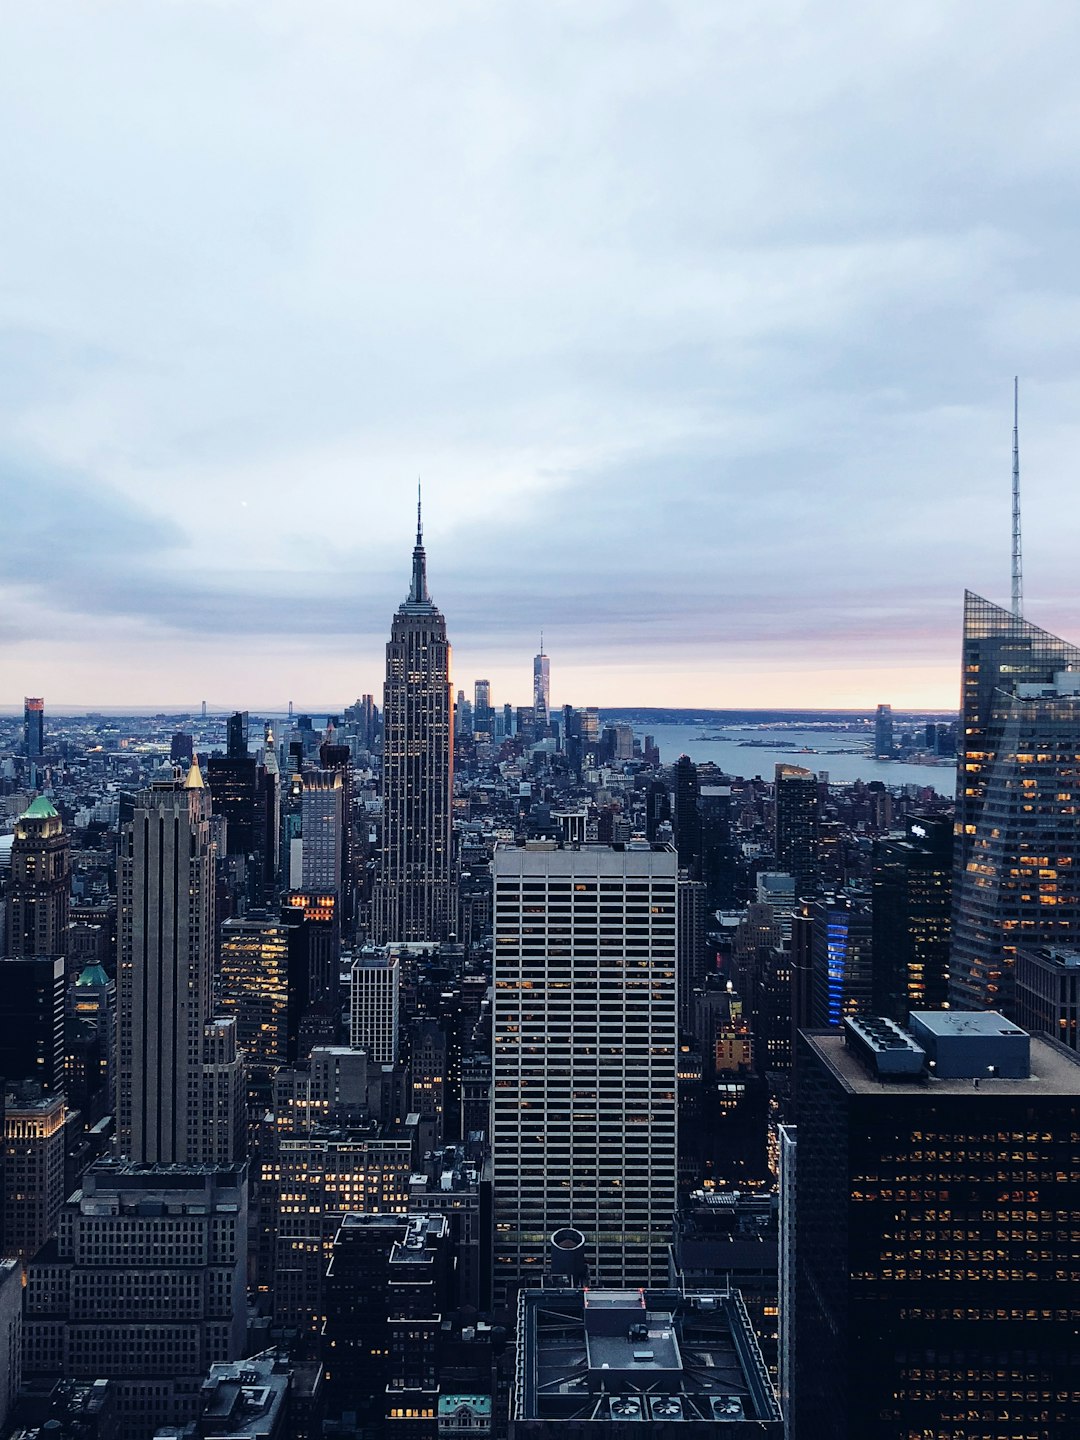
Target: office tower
32 1169
935 1287
678 1361
657 809
541 689
414 889
314 938
253 985
246 796
173 1058
336 759
796 797
236 732
387 1288
883 732
483 714
687 816
841 957
181 748
32 1021
10 1338
1048 993
40 888
34 727
322 824
911 884
718 849
91 1005
508 720
1016 776
145 1286
585 1037
429 1061
374 989
692 959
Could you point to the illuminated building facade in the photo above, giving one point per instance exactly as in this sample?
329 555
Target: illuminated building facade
585 1052
374 987
935 1232
841 957
541 689
39 897
911 884
414 891
34 727
1048 993
254 987
1017 846
322 827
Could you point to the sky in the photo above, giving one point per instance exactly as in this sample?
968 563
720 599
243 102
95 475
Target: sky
697 320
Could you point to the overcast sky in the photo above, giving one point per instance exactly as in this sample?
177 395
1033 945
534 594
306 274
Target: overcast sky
699 321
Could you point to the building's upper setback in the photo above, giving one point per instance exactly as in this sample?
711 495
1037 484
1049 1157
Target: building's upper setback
555 858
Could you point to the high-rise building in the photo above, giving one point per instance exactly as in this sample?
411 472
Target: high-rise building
883 732
541 688
10 1338
253 984
483 714
144 1286
687 816
32 1167
841 960
375 985
585 1040
1016 865
34 727
797 840
32 1021
414 890
912 908
934 1289
311 921
40 889
1048 993
322 827
173 1057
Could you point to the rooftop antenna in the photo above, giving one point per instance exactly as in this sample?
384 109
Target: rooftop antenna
419 522
1017 567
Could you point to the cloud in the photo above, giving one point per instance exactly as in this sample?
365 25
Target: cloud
698 321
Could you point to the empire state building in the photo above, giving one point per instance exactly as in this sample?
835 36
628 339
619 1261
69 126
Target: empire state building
414 891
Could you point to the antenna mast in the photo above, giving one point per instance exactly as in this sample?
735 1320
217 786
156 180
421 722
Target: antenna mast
1017 567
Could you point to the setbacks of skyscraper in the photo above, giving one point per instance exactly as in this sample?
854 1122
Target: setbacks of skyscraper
1016 866
37 915
414 889
180 1092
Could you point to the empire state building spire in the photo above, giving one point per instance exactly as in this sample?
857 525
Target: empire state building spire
418 591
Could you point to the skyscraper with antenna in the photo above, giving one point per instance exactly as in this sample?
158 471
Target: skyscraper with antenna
541 688
1017 566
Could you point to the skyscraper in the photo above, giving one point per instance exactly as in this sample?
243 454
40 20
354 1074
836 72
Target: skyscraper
883 732
541 688
174 1059
912 900
322 828
40 883
32 1020
374 987
413 893
584 1072
797 826
34 727
933 1286
1016 874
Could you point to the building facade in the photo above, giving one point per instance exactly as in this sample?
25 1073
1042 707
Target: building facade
414 888
584 1072
39 897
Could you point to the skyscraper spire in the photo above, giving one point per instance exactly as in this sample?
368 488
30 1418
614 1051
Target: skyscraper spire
1017 567
418 591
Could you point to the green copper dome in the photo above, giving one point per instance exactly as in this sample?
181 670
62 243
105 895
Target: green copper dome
93 975
40 809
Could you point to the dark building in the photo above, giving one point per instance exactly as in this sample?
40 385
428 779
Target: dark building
691 945
797 840
32 1021
657 808
912 907
387 1286
40 891
883 733
181 748
718 850
237 736
34 727
1016 865
314 954
688 816
933 1263
841 960
1048 993
676 1361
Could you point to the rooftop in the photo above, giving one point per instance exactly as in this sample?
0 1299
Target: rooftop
653 1355
1054 1071
946 1023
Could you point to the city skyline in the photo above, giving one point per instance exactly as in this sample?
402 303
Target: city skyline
642 296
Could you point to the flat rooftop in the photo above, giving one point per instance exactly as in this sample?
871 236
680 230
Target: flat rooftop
1054 1071
964 1023
649 1356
